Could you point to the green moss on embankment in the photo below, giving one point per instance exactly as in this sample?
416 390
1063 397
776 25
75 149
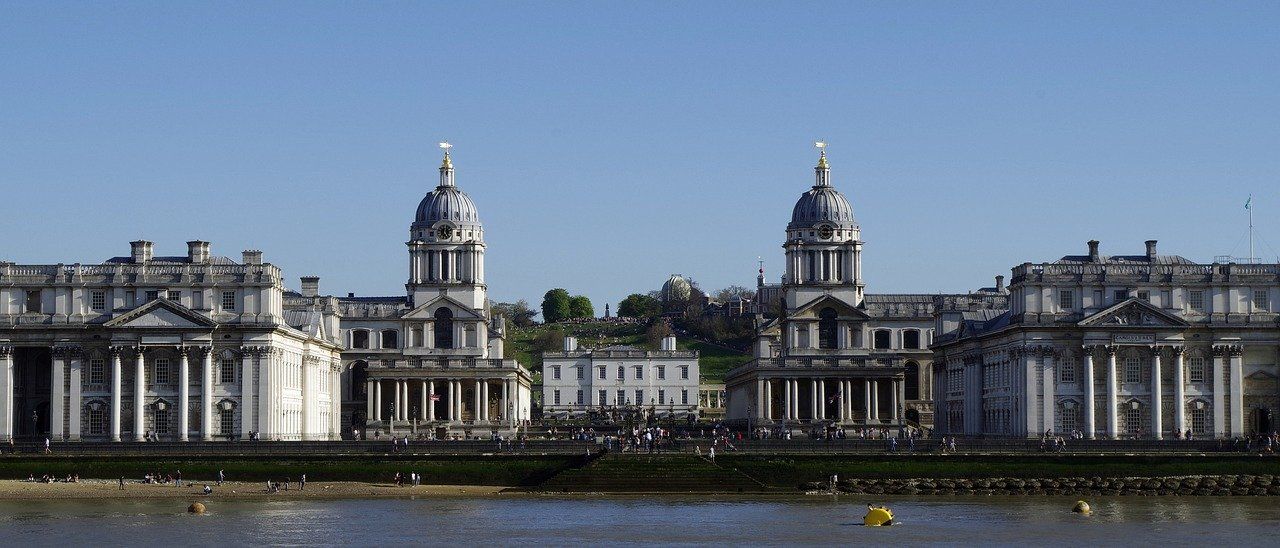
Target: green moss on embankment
793 469
466 470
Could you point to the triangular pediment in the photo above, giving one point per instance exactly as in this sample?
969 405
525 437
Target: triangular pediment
1133 313
427 310
161 314
843 309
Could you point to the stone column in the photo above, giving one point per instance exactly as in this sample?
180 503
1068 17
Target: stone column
484 399
505 414
1113 419
247 387
184 395
1236 395
768 400
848 401
1049 408
368 399
431 404
875 400
397 413
139 394
478 415
57 393
306 429
206 394
1090 424
1219 392
377 401
822 400
426 402
1157 409
74 404
115 392
866 400
786 400
893 400
7 398
760 398
1179 391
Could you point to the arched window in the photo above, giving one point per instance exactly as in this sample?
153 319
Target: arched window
911 384
827 326
882 339
389 337
911 338
359 339
622 373
444 328
359 380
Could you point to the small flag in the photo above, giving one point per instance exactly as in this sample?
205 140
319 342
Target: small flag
1247 202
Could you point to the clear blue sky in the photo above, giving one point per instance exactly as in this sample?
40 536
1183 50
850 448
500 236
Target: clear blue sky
609 145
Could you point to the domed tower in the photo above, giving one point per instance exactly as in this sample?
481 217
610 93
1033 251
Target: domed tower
824 249
446 245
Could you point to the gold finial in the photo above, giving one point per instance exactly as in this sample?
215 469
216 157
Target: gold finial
822 156
447 164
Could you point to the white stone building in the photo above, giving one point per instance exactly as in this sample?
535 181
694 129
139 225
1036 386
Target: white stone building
432 360
193 347
577 380
825 351
1145 346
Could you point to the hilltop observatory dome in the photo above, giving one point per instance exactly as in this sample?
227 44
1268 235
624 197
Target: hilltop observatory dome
676 289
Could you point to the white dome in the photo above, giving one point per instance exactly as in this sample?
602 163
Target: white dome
676 288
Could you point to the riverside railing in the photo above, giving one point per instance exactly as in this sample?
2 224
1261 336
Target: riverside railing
297 448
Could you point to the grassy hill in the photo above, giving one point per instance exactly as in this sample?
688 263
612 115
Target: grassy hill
713 360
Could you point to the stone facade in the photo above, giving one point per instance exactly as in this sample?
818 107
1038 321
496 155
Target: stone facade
663 382
194 347
1137 346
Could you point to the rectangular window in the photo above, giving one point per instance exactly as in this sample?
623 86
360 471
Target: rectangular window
1195 300
1066 299
228 421
555 372
556 397
639 372
1067 371
662 397
97 421
161 375
227 373
684 372
579 397
197 300
33 301
1195 369
1133 370
174 295
229 300
98 300
580 374
602 376
97 371
604 397
662 372
162 421
1261 302
622 398
640 397
1132 419
1199 420
1120 295
684 397
1144 295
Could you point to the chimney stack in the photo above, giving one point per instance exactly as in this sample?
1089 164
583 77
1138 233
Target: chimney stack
198 251
1000 283
1151 250
669 343
570 344
310 286
1093 252
251 256
141 251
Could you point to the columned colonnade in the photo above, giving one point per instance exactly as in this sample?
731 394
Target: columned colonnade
450 394
821 391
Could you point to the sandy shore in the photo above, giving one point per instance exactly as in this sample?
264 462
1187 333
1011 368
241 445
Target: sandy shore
103 489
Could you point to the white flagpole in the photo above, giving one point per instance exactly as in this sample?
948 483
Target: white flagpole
1251 260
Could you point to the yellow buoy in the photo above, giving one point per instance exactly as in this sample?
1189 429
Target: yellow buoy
196 508
877 516
1081 507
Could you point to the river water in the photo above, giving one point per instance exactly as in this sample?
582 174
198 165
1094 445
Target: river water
521 521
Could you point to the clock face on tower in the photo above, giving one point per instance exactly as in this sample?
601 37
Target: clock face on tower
825 232
444 232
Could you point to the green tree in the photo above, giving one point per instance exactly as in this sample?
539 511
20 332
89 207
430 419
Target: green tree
518 313
580 308
656 332
555 306
637 305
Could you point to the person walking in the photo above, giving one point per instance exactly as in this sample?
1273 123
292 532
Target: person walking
302 483
221 477
122 483
46 446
